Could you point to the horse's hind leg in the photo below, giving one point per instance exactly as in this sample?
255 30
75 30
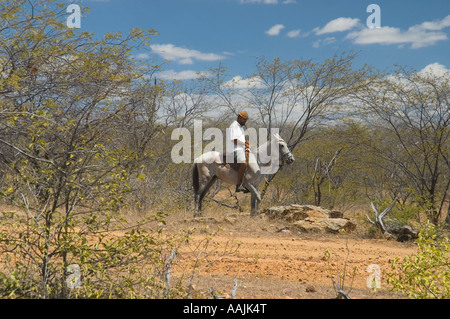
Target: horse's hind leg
201 194
197 205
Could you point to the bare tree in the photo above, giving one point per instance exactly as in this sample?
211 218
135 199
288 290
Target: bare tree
413 113
185 101
322 171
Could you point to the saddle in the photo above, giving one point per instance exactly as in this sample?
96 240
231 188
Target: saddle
222 160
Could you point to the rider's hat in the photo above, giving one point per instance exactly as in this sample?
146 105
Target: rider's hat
244 115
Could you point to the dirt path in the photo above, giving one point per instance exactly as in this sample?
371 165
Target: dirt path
274 264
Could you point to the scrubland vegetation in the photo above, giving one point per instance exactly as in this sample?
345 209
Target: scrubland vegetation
85 137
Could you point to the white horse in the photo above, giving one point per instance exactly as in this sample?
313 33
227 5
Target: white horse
208 167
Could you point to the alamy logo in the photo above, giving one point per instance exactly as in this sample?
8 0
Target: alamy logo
190 148
374 20
73 20
74 278
373 281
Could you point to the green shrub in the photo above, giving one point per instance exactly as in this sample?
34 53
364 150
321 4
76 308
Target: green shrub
108 256
425 274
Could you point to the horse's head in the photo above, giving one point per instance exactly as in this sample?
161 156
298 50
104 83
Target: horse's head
284 150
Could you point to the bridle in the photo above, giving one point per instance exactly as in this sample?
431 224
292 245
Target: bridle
287 153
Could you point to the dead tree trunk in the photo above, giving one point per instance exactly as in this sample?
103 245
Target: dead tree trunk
378 222
322 171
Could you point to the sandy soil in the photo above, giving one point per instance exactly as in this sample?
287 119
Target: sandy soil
269 262
274 263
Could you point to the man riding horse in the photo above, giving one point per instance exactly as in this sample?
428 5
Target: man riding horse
239 147
264 160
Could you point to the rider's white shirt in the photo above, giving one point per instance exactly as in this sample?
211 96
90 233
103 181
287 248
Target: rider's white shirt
235 131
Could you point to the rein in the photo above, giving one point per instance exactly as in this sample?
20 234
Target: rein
288 152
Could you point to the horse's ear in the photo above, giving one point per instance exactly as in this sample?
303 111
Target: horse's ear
277 136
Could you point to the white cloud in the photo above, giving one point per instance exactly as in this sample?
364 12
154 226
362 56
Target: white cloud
182 75
143 56
388 35
434 70
433 25
325 41
239 82
337 25
293 33
182 55
275 30
419 36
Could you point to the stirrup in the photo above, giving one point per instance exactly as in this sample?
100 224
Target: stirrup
240 188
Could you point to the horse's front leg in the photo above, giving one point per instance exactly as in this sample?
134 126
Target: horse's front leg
257 202
252 205
254 201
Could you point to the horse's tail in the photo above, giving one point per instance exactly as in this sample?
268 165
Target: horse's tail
195 181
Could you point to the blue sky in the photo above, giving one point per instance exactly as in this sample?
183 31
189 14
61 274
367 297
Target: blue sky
198 34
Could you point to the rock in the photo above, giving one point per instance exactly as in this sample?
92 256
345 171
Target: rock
296 212
273 212
405 233
310 288
308 226
395 229
336 214
331 225
310 218
335 225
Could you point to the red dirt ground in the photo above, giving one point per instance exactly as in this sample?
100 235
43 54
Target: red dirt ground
270 263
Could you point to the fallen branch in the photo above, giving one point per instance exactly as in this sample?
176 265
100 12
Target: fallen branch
225 204
341 294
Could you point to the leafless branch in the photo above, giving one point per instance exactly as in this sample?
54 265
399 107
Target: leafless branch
378 222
